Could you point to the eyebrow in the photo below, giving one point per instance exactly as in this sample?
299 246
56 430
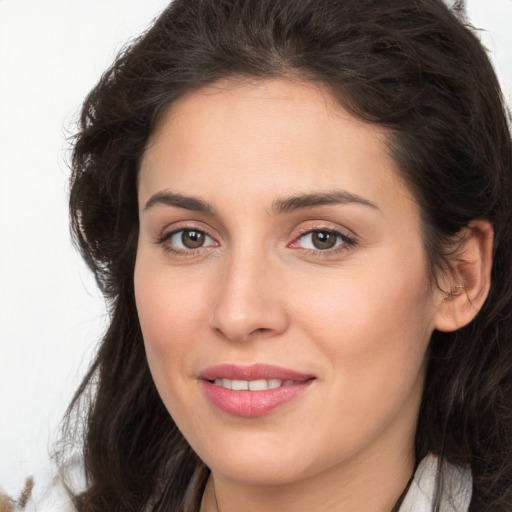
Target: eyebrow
303 201
171 199
279 206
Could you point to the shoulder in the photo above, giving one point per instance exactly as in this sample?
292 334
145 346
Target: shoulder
457 487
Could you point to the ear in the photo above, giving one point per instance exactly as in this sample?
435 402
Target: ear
468 286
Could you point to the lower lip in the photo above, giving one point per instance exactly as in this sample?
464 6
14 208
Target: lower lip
252 403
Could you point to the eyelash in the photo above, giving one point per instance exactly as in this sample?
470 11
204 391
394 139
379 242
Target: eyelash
347 242
167 247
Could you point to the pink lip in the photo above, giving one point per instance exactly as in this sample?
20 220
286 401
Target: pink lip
252 372
252 403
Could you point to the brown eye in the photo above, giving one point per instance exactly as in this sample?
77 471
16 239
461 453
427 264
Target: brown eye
189 239
192 239
324 239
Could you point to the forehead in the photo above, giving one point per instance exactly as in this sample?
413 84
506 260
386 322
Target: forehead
275 134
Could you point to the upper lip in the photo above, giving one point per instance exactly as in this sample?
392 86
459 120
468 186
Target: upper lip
252 372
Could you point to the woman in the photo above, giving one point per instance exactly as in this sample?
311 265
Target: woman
299 212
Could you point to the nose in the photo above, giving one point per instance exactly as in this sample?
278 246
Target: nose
250 299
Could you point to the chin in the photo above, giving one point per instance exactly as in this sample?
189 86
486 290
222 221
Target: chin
263 471
259 459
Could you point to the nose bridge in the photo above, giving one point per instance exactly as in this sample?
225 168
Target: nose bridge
248 300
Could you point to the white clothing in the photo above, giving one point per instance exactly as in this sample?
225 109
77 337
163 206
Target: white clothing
456 498
457 493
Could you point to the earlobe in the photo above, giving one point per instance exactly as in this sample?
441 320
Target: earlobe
468 287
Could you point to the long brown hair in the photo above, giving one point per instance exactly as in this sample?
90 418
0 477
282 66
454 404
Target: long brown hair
409 65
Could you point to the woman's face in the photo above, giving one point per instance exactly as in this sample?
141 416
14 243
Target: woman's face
281 256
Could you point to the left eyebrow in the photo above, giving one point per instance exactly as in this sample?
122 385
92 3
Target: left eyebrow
303 201
167 198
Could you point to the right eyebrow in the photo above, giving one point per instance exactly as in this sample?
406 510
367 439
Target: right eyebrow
167 198
304 201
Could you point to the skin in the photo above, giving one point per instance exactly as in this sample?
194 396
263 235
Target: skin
358 316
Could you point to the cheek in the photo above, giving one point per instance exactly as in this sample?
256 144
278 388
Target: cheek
169 314
374 330
374 305
158 309
172 313
170 304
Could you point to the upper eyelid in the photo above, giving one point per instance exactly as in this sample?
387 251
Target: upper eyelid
175 227
323 226
301 230
176 231
164 242
166 237
347 239
305 231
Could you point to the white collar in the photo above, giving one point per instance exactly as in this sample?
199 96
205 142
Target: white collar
455 496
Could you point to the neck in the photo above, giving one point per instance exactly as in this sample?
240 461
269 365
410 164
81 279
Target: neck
353 486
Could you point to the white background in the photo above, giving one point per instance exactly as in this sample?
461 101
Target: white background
51 53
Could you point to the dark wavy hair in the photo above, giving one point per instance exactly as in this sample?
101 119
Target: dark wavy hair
411 66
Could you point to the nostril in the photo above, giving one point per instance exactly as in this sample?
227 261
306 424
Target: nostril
260 330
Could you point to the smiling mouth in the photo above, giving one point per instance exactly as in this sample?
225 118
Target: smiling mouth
254 385
252 390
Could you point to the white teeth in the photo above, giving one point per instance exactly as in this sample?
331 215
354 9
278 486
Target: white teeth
258 385
252 385
274 383
239 385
